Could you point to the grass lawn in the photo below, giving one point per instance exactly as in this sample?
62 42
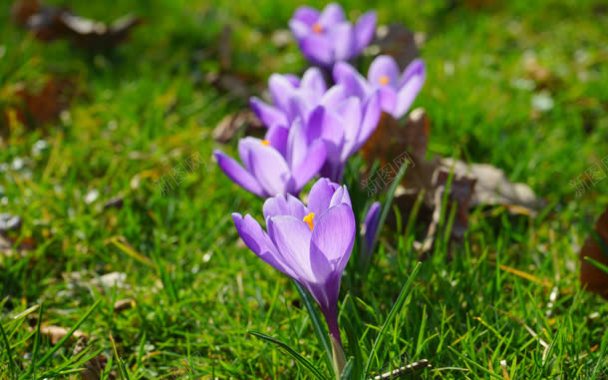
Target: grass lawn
520 85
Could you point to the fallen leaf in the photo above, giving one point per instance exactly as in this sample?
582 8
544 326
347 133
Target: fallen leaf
472 184
9 223
231 125
125 304
596 247
49 23
56 333
399 42
116 203
494 188
35 105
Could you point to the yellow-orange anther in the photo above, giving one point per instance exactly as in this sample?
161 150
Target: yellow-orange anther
384 80
309 220
265 142
317 28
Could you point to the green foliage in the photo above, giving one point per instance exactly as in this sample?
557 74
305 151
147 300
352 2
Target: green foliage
144 111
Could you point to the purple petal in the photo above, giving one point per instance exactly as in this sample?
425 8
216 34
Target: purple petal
371 117
353 83
299 29
291 236
268 114
313 82
333 236
238 174
281 89
365 30
412 81
343 36
341 196
317 49
320 195
277 136
326 125
332 14
350 111
257 241
310 166
270 169
334 96
384 67
306 15
246 144
297 144
284 205
370 225
388 98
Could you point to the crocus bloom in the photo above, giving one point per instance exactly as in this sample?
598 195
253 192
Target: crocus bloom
292 97
327 37
370 227
345 128
279 164
397 90
309 243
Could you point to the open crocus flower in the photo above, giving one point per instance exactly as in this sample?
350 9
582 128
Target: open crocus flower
292 97
344 129
397 90
311 244
280 164
327 37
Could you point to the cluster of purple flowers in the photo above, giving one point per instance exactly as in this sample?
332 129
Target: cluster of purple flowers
312 129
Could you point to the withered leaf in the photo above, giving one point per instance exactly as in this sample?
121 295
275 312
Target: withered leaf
9 223
49 23
124 304
398 42
471 185
34 106
231 125
494 188
56 333
596 247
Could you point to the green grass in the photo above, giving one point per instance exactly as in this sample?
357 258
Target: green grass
144 112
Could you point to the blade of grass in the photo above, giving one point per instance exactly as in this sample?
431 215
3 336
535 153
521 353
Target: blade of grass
297 357
32 371
11 364
597 264
391 316
67 336
317 323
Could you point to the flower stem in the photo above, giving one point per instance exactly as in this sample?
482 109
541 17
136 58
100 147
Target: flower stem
339 360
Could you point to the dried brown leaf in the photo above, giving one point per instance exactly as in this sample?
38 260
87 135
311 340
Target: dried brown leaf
49 23
232 124
399 42
593 278
56 333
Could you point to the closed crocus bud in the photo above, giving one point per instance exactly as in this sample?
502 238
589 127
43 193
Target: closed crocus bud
327 37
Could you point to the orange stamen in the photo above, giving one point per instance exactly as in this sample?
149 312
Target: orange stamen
265 142
317 28
384 80
309 220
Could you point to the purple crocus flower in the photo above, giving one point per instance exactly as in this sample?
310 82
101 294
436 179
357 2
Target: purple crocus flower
397 90
292 97
309 243
327 37
345 129
280 164
370 227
